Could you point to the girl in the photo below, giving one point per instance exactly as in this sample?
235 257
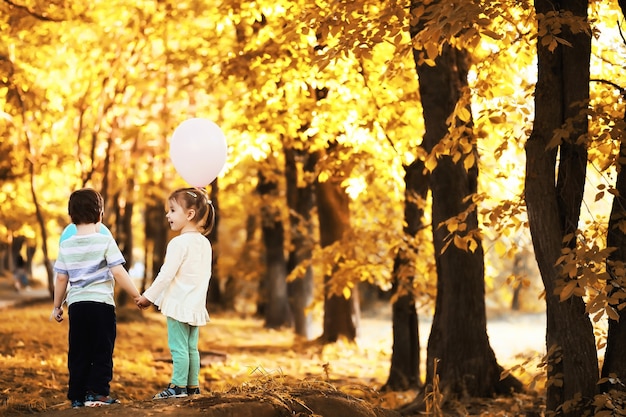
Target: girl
181 286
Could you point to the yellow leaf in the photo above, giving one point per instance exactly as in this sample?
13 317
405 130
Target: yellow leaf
568 290
610 311
570 269
452 225
464 114
432 50
597 317
469 161
346 293
500 248
459 242
492 34
553 45
562 41
430 163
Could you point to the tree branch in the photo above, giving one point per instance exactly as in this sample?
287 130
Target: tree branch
622 90
32 13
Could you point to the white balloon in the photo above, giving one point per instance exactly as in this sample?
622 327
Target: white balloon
198 151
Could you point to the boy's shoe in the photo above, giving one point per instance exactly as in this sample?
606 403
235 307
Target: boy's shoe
193 390
77 404
172 391
96 400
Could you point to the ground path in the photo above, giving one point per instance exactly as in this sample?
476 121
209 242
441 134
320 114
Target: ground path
510 334
9 297
247 343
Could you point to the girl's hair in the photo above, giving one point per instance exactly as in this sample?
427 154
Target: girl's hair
197 199
85 206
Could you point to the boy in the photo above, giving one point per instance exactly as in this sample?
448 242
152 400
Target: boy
91 263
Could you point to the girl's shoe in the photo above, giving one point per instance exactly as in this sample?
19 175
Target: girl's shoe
172 391
193 390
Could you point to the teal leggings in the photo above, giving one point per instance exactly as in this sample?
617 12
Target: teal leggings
182 339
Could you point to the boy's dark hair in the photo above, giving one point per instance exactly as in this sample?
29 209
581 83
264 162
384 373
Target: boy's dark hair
85 206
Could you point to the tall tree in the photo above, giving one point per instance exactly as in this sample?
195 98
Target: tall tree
341 305
614 367
215 294
276 307
299 174
458 340
156 235
561 95
405 357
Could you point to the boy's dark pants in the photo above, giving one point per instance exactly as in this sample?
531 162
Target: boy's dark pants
90 357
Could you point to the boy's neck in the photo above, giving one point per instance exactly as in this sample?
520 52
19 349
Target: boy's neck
87 228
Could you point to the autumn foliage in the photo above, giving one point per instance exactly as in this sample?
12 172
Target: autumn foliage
321 101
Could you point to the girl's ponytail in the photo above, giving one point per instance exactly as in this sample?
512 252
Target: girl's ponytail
209 220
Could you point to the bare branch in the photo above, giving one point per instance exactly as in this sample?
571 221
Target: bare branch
622 90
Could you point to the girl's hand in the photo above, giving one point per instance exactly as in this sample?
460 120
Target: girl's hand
142 302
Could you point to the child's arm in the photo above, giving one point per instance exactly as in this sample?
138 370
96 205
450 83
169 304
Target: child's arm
59 296
122 278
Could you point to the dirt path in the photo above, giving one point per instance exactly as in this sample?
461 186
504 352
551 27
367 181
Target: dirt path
9 297
303 378
276 401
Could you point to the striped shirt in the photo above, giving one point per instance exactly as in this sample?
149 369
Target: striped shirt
86 260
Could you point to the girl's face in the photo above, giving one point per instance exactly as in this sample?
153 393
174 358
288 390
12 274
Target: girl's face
177 216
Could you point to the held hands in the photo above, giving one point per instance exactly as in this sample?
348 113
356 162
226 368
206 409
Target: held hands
142 302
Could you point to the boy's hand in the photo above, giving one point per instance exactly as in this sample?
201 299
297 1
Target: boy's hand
57 314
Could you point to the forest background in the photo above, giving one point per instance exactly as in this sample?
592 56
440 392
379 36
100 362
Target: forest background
327 127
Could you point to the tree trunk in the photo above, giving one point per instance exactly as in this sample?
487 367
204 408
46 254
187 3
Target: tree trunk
405 357
277 313
458 339
248 262
614 364
124 232
156 232
553 211
16 245
214 295
300 202
516 302
341 313
5 258
41 221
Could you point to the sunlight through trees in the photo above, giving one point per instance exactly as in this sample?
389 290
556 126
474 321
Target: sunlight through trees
397 151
